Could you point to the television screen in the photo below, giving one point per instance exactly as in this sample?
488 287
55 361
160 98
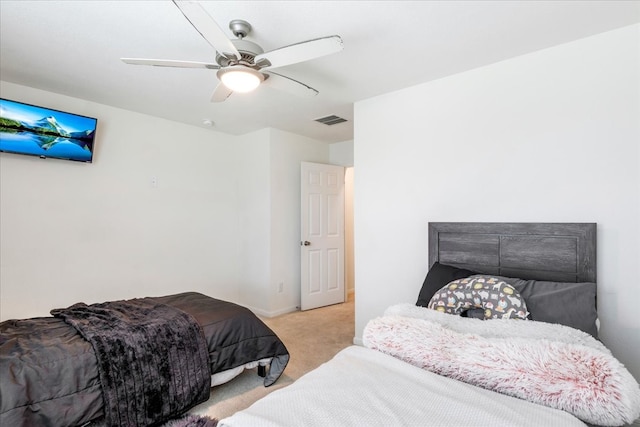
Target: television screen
47 133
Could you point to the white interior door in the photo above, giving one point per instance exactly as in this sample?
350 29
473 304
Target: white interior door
322 240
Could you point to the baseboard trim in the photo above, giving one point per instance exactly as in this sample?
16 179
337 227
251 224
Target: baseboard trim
269 314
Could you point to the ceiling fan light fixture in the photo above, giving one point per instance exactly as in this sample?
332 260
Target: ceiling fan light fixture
239 78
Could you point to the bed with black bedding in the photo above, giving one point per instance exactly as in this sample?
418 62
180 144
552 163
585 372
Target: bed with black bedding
134 362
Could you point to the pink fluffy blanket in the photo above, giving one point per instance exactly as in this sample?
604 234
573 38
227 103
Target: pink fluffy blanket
547 364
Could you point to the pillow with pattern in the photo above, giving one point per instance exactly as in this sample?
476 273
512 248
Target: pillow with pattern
438 276
497 298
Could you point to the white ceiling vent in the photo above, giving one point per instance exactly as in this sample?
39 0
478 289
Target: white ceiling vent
331 120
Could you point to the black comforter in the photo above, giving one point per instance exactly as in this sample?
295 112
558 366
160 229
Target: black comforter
152 358
49 374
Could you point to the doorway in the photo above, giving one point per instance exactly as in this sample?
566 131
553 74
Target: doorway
349 256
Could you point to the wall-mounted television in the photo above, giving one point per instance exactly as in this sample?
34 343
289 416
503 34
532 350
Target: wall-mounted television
43 132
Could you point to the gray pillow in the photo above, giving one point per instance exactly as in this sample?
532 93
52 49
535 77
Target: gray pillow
566 303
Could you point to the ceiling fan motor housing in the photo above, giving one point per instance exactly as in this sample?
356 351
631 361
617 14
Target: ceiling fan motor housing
248 51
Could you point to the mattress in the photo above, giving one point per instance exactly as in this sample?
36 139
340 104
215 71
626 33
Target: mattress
360 386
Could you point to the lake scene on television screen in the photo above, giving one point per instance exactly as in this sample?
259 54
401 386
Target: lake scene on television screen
38 131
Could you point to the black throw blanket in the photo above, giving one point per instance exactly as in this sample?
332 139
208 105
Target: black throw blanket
152 359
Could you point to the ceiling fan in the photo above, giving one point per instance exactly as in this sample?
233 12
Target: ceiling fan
243 65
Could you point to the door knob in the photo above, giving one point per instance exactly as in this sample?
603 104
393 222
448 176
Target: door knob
305 243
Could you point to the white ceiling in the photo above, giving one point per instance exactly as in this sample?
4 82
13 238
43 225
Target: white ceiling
74 48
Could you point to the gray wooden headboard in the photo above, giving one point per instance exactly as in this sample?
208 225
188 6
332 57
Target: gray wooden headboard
563 252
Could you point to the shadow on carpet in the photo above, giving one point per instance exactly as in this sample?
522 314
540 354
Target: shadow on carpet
192 421
187 420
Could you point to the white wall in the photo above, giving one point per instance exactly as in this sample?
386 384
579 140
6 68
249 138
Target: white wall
223 220
287 151
341 153
552 136
254 214
74 232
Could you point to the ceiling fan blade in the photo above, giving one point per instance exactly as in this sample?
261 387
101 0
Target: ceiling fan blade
287 84
170 63
220 93
207 27
300 52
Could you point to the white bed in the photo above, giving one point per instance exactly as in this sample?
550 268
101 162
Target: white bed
420 367
363 387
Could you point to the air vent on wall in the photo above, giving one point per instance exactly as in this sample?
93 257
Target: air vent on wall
331 120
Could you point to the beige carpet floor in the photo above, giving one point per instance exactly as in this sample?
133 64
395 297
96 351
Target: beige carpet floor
312 338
